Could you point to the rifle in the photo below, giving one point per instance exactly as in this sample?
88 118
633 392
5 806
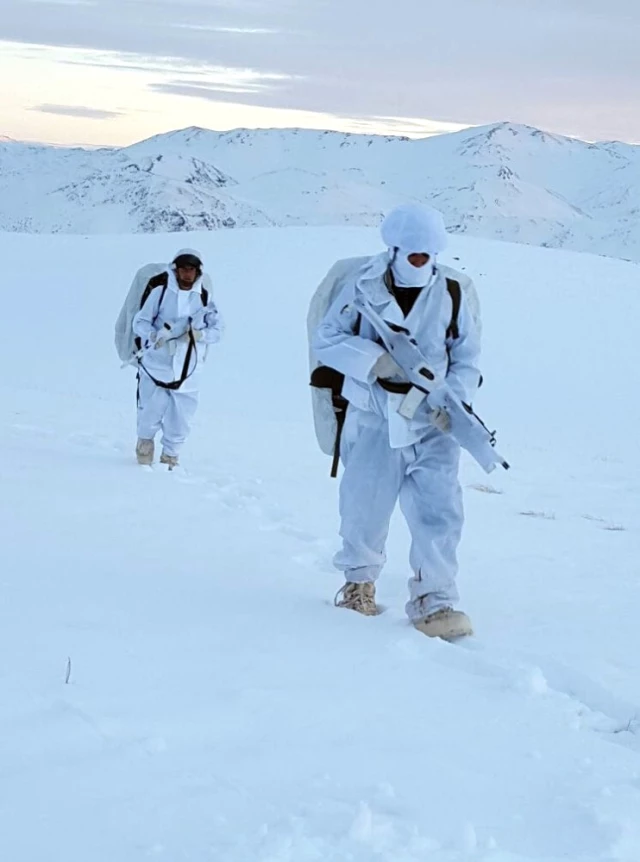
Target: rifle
466 426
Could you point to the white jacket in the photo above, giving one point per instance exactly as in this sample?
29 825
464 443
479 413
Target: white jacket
166 363
335 345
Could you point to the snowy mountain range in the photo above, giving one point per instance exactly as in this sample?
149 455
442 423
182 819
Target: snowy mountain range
503 181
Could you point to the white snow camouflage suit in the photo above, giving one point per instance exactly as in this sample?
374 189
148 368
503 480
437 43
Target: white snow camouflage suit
165 410
388 458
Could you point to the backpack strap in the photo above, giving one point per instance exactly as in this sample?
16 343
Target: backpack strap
340 405
160 280
204 293
324 377
162 293
176 384
455 292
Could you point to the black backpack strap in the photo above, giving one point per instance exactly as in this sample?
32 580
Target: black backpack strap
453 332
340 405
455 292
160 280
324 377
184 375
162 293
340 408
204 294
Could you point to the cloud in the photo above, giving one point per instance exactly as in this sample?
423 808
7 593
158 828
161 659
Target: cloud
214 93
64 2
77 111
221 84
465 61
240 31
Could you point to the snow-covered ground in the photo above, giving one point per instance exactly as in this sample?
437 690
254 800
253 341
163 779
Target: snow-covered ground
217 706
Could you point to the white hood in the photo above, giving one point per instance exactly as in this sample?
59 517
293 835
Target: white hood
415 228
192 251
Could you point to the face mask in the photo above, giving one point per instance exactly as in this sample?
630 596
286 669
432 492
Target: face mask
405 274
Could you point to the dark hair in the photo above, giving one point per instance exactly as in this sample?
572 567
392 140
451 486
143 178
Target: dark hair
187 260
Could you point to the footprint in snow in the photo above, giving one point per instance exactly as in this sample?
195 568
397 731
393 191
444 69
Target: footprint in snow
545 516
485 489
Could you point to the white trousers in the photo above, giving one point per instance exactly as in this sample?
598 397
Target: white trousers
165 410
424 478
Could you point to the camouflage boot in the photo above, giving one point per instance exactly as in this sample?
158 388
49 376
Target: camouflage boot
446 624
170 460
144 452
359 597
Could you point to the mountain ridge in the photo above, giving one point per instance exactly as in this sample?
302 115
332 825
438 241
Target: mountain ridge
502 181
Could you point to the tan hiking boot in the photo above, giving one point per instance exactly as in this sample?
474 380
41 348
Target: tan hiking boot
144 451
446 624
170 460
358 597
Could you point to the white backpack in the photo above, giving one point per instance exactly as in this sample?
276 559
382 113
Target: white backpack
124 335
329 408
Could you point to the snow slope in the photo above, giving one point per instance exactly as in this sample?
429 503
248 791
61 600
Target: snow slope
503 181
217 706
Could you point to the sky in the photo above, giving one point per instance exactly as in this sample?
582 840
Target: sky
111 72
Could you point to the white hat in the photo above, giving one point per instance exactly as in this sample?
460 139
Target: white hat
415 228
